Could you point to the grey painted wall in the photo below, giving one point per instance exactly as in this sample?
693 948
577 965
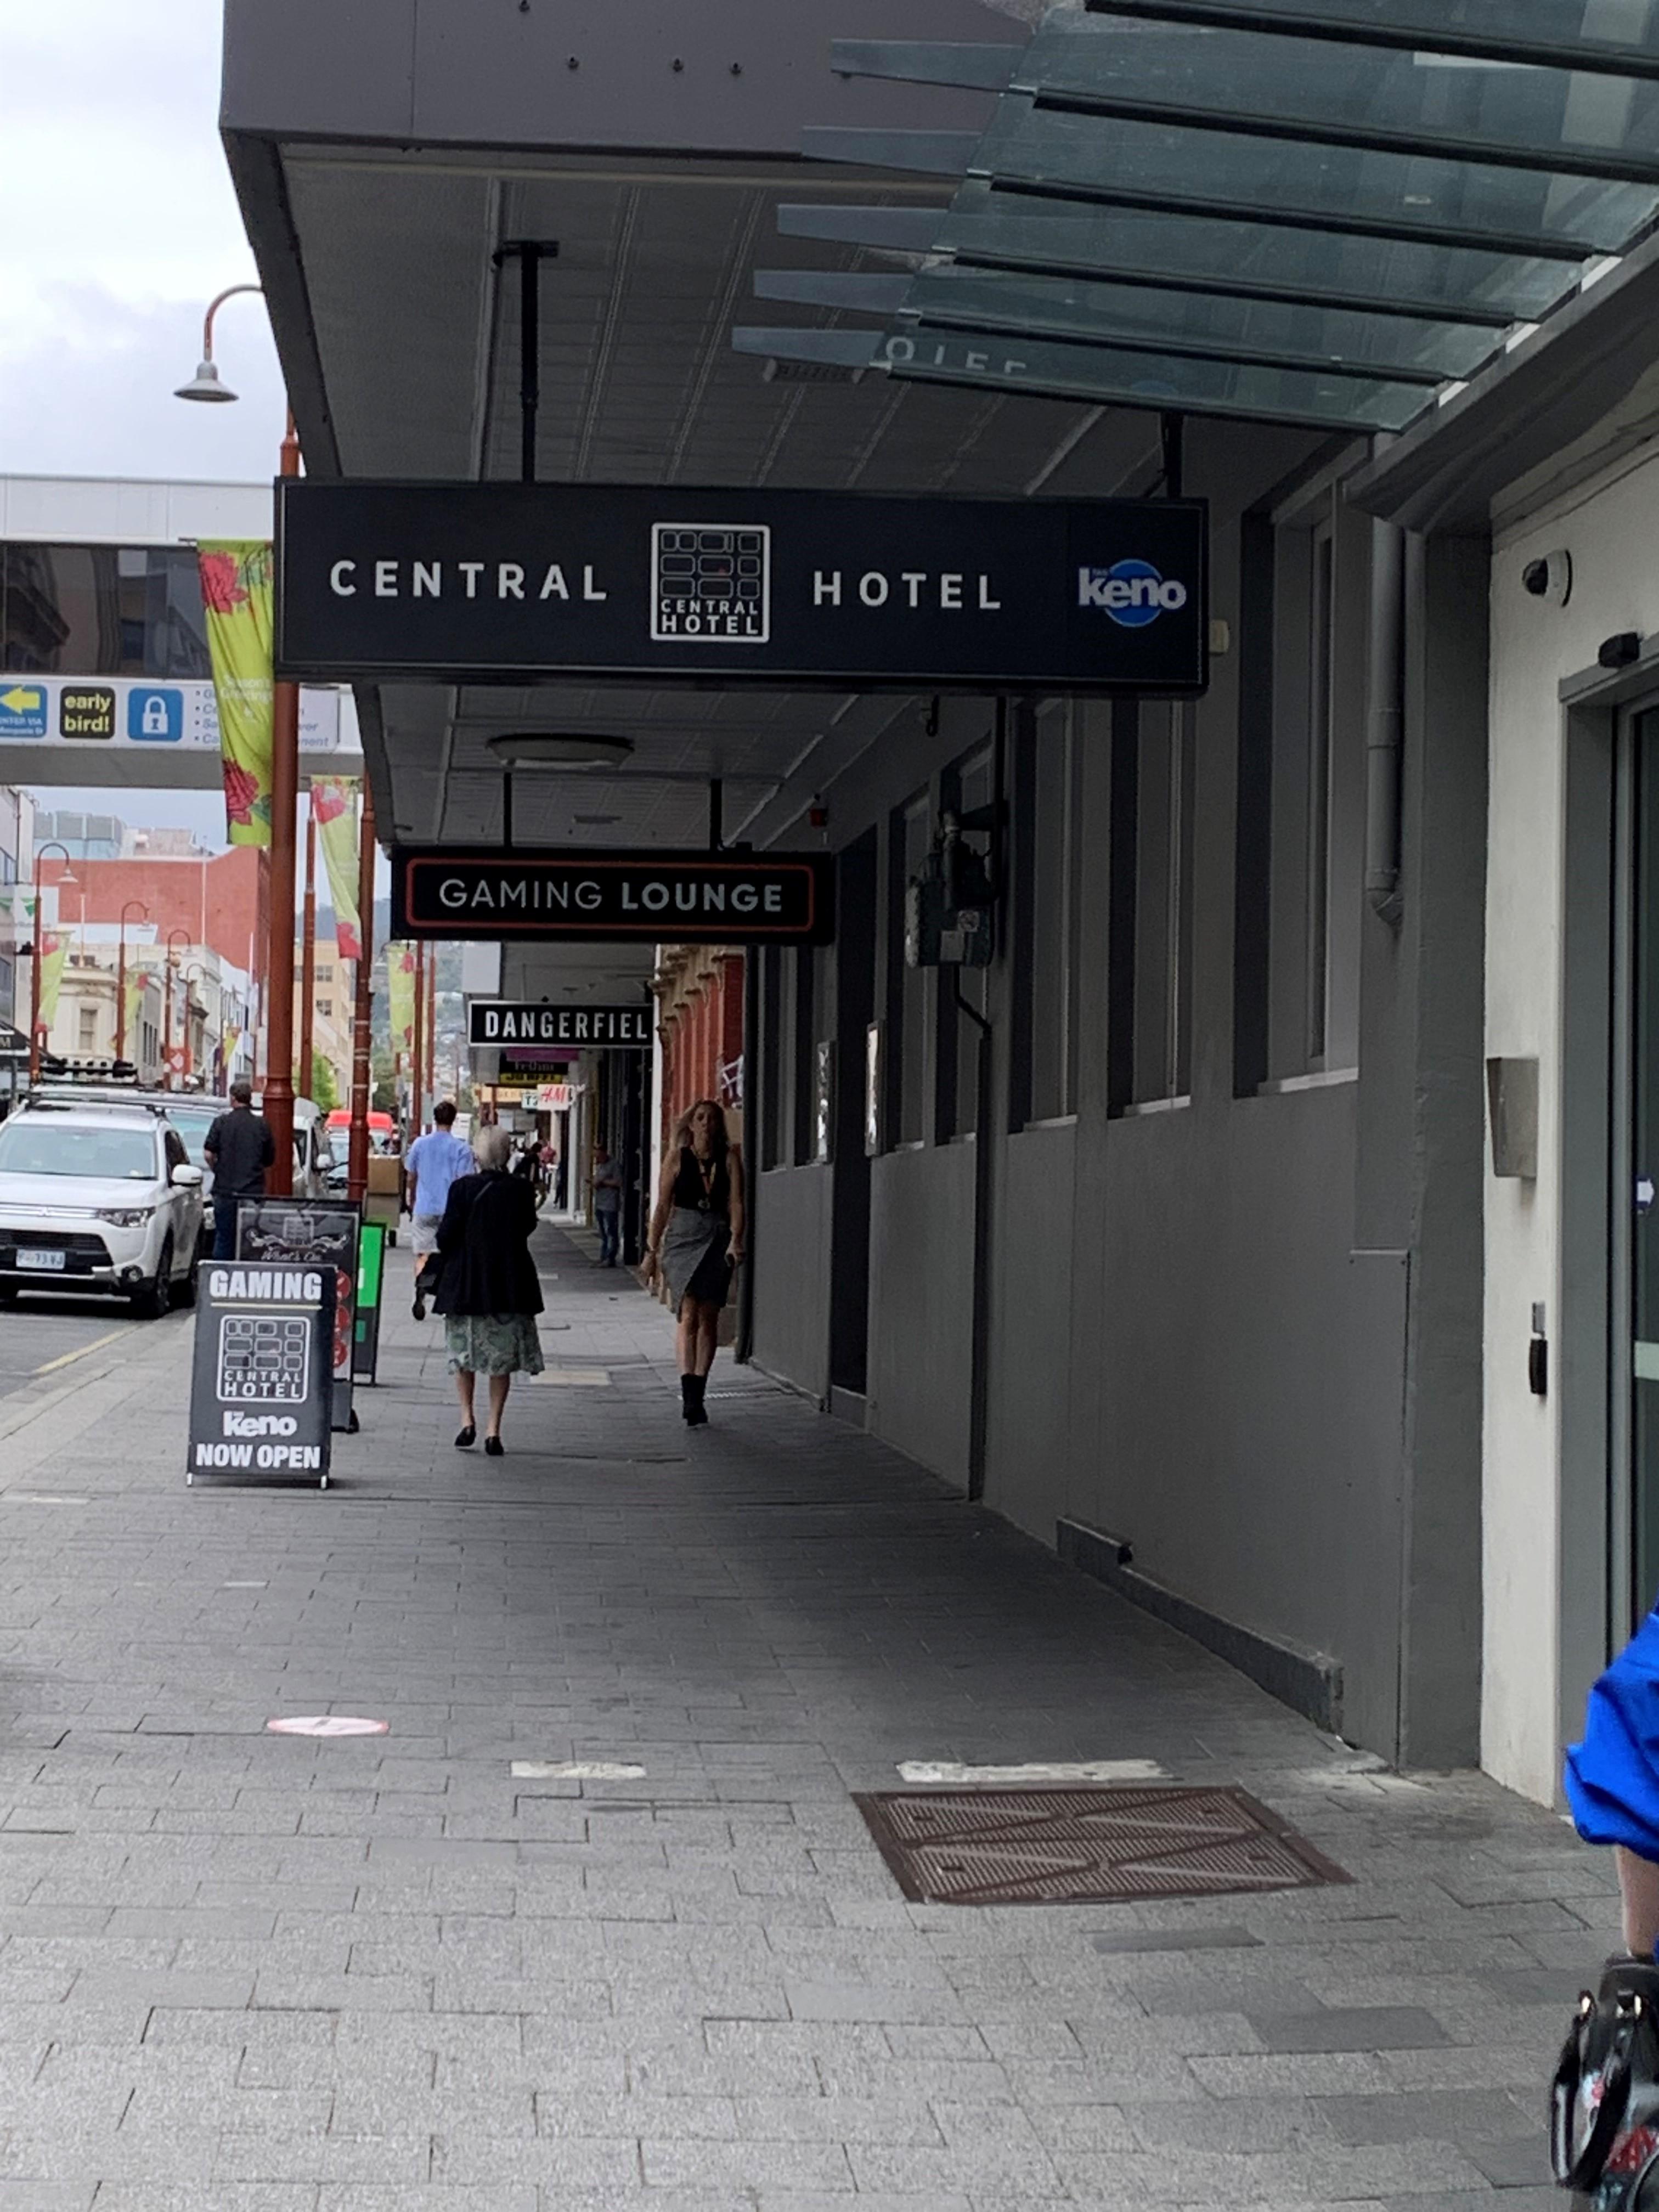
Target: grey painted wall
1243 1334
792 1303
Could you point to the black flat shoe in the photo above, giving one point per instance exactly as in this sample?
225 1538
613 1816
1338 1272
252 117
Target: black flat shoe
419 1307
467 1438
494 1448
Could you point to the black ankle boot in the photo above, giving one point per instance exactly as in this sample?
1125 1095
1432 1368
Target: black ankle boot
698 1416
688 1396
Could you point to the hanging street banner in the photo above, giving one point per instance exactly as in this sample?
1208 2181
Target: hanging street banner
581 1029
334 810
236 600
466 582
683 898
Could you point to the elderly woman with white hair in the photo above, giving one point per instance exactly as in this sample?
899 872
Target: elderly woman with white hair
487 1289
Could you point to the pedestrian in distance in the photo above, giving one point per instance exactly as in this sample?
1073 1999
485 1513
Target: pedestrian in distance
487 1289
695 1242
238 1148
435 1163
605 1183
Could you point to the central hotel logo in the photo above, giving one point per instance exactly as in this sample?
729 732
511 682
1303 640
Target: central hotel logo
711 583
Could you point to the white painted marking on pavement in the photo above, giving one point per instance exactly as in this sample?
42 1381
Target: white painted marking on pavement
38 1497
328 1724
574 1770
575 1378
1077 1770
245 1586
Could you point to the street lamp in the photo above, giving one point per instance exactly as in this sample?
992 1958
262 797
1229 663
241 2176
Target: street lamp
278 1097
121 977
166 1014
67 878
196 969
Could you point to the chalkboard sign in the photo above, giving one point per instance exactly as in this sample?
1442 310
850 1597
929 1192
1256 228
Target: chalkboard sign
299 1232
262 1385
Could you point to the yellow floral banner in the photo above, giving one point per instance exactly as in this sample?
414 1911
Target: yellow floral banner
237 597
54 950
334 810
400 989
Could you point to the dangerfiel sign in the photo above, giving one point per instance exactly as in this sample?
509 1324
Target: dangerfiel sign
588 1029
708 898
465 581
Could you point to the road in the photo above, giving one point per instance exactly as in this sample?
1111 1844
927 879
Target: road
44 1338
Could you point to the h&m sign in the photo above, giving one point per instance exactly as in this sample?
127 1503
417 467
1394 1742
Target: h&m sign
685 898
464 582
581 1028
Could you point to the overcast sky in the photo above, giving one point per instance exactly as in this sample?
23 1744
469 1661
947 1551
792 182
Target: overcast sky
117 225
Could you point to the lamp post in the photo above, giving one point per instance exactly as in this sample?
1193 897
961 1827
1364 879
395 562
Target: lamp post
40 853
363 1010
308 956
196 969
121 977
278 1098
169 983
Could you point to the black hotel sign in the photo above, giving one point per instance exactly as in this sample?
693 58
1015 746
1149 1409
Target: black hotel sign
581 1028
462 583
686 898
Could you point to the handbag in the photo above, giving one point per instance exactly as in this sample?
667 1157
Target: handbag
1604 2100
426 1283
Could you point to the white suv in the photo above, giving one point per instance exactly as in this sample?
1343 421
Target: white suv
97 1197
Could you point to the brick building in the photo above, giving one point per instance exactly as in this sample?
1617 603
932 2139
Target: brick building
700 997
220 901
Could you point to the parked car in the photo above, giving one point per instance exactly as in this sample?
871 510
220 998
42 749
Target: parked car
97 1196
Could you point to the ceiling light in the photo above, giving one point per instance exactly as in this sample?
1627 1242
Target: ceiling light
538 749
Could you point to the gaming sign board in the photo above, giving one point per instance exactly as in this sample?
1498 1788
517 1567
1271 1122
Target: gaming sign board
262 1383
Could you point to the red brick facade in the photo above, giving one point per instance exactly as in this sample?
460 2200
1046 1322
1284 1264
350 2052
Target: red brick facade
700 992
220 901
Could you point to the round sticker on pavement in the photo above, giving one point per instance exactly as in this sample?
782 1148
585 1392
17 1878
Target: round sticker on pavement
327 1724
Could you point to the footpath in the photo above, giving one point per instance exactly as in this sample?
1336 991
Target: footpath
427 1970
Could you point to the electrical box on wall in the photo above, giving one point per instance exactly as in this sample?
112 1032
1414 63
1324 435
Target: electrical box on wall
949 917
1512 1107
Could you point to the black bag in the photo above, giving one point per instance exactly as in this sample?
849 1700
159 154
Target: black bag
426 1283
1604 2101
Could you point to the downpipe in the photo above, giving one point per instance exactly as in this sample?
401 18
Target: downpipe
1386 722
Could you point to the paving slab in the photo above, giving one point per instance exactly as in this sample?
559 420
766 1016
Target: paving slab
240 1972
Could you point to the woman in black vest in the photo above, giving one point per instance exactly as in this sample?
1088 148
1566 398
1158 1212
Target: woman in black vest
696 1241
488 1290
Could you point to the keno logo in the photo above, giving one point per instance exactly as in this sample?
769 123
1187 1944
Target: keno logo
1132 592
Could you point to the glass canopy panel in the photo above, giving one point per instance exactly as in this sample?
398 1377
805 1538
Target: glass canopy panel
1233 172
1201 323
1592 34
1165 381
1491 111
1049 369
1006 230
1136 315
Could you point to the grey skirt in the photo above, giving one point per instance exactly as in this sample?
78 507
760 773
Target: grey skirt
693 1256
493 1344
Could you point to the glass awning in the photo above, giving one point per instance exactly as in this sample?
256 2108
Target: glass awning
1326 211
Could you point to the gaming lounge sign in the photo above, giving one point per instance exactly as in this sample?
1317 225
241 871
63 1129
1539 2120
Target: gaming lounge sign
466 582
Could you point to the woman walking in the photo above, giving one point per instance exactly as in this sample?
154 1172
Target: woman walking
696 1241
487 1291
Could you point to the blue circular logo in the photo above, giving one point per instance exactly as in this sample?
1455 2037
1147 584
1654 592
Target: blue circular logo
1143 602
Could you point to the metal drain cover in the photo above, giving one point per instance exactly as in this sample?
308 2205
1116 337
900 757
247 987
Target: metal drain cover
1072 1846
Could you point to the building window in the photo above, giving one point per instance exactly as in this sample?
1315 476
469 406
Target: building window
1149 992
325 1008
102 611
1301 790
87 1027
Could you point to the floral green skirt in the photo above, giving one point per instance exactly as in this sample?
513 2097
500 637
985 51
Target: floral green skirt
493 1344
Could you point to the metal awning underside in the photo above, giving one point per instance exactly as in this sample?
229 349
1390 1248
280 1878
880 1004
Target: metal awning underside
1329 212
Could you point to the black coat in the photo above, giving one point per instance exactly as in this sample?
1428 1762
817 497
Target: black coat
483 1241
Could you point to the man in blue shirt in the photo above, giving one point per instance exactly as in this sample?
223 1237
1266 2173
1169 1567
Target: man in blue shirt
431 1164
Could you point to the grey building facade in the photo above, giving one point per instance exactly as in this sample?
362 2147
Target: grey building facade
1167 1243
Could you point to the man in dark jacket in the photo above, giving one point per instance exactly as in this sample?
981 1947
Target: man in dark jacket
239 1147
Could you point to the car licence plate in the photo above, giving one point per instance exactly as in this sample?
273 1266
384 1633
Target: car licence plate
49 1260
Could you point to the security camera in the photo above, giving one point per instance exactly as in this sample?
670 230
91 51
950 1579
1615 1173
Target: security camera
1550 578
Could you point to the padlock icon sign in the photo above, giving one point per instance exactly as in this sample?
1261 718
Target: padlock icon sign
154 724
